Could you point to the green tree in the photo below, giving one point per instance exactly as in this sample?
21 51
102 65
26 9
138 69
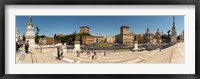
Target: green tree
55 36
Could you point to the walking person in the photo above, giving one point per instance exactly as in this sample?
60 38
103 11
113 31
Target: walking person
26 46
17 46
58 53
104 53
78 53
62 48
94 54
160 48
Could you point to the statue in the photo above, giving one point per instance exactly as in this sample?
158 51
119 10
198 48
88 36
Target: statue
136 38
77 42
77 38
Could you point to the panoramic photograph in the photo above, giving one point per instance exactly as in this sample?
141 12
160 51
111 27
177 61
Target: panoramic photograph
99 39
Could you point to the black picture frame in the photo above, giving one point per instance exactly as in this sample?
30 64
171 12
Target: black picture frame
99 2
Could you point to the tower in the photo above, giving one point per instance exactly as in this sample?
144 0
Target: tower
30 34
124 29
173 33
158 34
148 35
84 29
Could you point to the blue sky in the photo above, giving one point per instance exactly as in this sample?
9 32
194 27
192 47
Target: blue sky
105 25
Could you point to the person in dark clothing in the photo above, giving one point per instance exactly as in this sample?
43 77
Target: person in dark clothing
88 53
26 46
17 46
94 55
61 53
160 48
104 53
78 53
58 53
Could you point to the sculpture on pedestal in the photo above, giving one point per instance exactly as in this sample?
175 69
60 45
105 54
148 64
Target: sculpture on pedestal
77 43
136 43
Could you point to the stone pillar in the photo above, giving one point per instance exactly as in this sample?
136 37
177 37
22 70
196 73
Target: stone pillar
77 45
30 34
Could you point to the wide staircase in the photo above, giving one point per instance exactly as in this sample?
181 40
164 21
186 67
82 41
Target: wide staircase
168 55
113 57
37 57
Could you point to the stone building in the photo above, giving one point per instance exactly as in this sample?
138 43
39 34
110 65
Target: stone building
141 38
158 36
98 39
48 40
148 36
173 33
125 37
84 29
88 40
110 39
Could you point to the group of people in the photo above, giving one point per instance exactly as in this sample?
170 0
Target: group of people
60 52
90 53
20 44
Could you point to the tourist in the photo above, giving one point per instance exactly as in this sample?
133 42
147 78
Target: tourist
94 55
26 46
88 53
62 48
58 53
17 46
104 53
78 53
160 48
40 48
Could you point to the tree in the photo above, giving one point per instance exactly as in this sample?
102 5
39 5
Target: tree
55 36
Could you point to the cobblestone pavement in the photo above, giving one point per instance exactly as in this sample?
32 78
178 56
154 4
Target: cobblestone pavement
172 54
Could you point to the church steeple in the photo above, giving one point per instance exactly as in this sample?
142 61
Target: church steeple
173 27
174 34
30 21
148 30
173 23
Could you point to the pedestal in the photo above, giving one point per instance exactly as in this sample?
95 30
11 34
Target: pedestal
136 45
77 46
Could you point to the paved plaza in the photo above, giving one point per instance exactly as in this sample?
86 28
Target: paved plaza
172 54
